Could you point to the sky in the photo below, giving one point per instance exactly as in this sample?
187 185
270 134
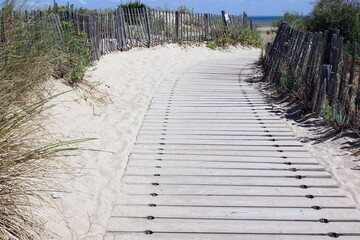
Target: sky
252 7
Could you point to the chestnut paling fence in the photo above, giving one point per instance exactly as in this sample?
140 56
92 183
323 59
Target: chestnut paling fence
324 69
124 29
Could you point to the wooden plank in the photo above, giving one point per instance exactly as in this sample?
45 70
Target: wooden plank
280 215
229 181
260 154
160 136
206 226
214 132
222 172
197 236
218 164
223 158
195 144
269 201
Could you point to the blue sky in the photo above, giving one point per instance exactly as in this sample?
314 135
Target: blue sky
252 7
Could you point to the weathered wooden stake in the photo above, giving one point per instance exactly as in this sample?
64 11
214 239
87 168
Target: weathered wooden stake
147 27
226 20
320 92
245 20
177 25
342 86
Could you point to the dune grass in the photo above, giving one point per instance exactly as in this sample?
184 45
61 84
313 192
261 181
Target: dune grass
29 55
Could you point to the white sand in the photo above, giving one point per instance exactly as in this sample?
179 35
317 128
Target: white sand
334 150
125 83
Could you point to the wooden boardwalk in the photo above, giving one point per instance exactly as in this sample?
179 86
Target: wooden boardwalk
213 161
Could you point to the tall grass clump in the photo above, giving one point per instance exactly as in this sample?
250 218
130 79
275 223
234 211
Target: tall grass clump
28 56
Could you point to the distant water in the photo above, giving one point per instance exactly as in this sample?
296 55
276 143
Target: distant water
265 20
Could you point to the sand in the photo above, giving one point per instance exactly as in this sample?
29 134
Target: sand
337 150
111 111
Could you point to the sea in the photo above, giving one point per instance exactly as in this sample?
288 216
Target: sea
265 19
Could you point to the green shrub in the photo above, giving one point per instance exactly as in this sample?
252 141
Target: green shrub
336 14
131 6
75 56
185 10
237 35
294 20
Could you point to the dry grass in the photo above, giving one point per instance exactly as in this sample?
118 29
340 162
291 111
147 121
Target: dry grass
27 155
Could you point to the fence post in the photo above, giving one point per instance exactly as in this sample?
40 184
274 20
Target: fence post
318 103
328 47
177 25
225 18
357 101
342 86
245 20
206 25
336 46
252 25
351 77
147 26
122 30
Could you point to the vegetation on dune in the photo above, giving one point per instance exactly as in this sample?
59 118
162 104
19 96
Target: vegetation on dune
74 55
336 14
185 10
132 5
294 20
30 53
329 14
236 35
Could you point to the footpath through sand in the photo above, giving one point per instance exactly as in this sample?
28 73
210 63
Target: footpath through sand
212 160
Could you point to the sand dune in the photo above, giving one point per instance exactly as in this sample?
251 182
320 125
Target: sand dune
112 112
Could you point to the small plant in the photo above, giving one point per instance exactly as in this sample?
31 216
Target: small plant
288 81
211 45
75 56
335 115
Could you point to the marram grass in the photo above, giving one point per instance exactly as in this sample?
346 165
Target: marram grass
28 157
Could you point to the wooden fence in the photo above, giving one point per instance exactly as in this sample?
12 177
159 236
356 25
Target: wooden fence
324 72
124 29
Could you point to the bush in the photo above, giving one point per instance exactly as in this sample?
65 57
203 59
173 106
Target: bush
336 14
294 20
237 35
185 10
75 56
